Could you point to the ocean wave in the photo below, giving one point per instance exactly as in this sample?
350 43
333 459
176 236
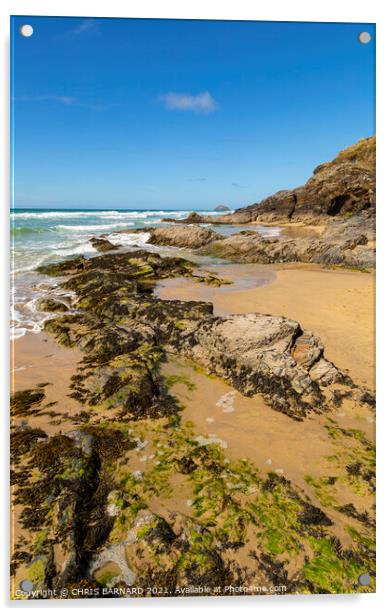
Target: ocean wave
98 214
32 264
16 231
68 214
95 227
75 250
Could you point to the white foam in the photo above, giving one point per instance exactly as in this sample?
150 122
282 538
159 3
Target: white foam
17 332
88 228
107 214
75 250
129 239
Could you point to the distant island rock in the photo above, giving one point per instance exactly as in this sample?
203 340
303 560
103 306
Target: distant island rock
222 208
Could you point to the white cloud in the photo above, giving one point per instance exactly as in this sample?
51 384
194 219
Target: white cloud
86 25
65 100
199 103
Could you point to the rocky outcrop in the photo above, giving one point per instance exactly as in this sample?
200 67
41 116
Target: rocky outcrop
65 489
182 236
347 243
268 355
340 195
342 187
222 208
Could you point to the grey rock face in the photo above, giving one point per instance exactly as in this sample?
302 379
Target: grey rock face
268 355
183 236
348 243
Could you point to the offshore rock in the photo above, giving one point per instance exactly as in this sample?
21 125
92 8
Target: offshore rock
102 245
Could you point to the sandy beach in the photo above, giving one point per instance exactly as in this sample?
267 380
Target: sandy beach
246 429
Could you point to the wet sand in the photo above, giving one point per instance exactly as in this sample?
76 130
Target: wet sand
36 359
248 428
336 304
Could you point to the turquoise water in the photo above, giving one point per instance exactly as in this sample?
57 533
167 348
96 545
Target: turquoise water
40 236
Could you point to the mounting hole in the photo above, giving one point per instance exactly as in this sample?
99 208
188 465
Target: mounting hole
364 38
364 579
27 30
26 585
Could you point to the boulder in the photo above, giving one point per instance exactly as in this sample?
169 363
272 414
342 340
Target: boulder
183 236
49 304
102 245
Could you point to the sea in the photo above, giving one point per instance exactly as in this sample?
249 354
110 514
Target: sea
40 236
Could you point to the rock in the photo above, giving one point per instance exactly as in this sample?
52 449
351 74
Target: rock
68 466
192 219
268 355
343 187
92 515
124 331
183 236
25 402
340 188
222 208
49 304
349 243
102 245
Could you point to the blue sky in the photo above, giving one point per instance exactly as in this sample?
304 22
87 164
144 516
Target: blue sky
181 114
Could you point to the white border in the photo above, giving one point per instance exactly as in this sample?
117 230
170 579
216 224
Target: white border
281 10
